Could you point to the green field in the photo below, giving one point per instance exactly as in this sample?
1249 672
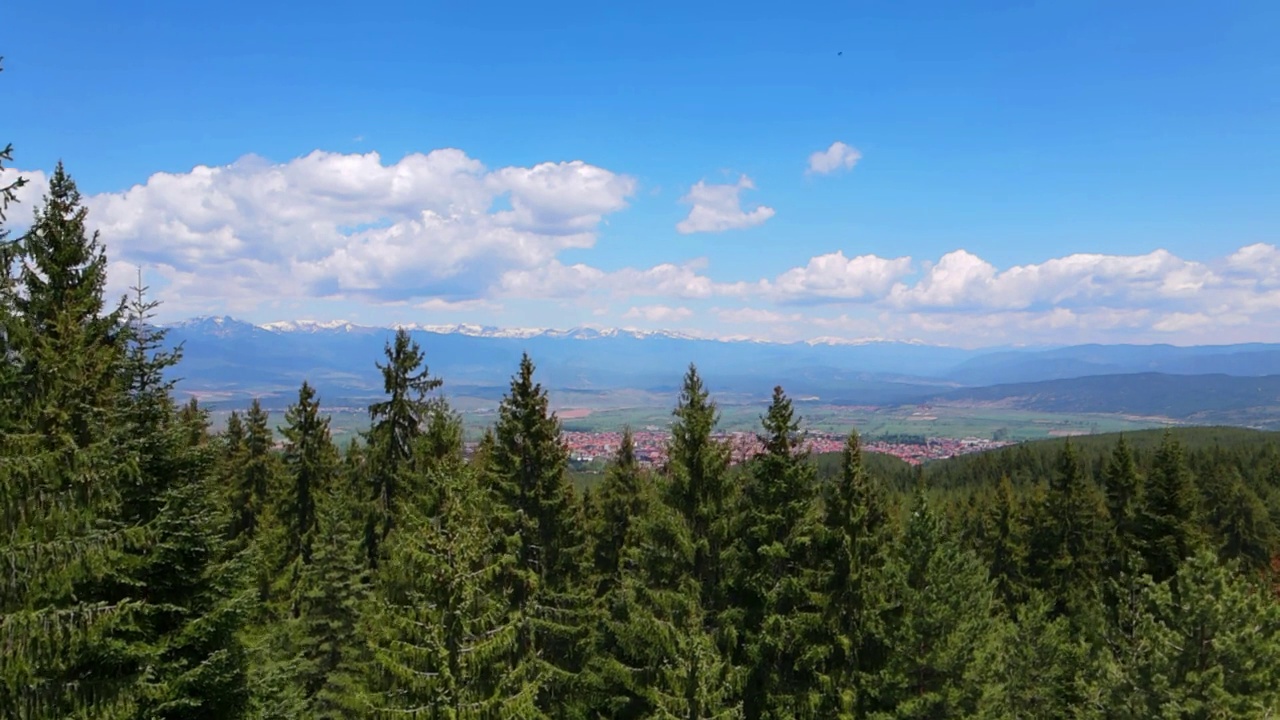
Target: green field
880 422
871 422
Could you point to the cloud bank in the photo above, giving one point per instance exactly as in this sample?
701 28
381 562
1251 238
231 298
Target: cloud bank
439 236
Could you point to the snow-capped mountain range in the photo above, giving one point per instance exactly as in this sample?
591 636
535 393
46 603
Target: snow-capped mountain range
223 355
213 323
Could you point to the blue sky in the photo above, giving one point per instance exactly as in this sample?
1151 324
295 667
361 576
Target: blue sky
1009 171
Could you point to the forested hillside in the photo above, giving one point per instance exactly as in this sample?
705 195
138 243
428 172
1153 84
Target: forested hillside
157 567
1203 398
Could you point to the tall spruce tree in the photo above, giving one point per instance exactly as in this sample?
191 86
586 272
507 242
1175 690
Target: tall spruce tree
446 644
851 558
1170 519
773 573
1069 551
184 640
397 425
62 470
698 487
257 468
944 604
310 461
539 516
621 500
1123 487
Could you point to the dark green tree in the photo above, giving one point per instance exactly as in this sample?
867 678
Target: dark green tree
310 461
538 515
698 487
62 471
1170 519
621 502
773 578
397 426
1123 487
256 473
851 557
446 644
944 607
1069 548
184 639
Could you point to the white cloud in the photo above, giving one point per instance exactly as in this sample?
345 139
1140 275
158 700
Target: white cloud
833 276
349 226
962 280
555 280
837 157
756 316
658 313
444 306
26 198
717 208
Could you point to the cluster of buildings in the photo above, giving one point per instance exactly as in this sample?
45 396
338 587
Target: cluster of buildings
651 446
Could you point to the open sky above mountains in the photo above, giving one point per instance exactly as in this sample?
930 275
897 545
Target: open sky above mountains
992 173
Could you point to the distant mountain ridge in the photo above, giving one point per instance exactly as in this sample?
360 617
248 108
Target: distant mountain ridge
213 322
1201 399
231 359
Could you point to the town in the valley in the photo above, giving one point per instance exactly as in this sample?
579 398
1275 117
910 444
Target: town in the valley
651 446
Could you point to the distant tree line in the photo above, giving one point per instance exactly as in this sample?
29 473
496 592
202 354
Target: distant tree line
155 568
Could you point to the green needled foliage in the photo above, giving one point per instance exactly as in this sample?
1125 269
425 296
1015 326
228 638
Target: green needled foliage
446 644
61 472
851 556
397 425
774 584
1170 521
698 485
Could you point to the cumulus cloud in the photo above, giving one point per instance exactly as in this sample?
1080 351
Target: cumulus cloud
756 316
658 313
837 157
833 276
26 198
962 280
556 280
331 225
717 208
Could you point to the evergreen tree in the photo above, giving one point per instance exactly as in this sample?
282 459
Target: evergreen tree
1029 665
539 518
397 425
944 605
1123 488
258 468
446 644
620 500
184 639
773 574
1238 518
311 461
851 559
195 420
1069 553
697 469
654 655
69 366
1213 653
1170 530
61 471
1006 544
